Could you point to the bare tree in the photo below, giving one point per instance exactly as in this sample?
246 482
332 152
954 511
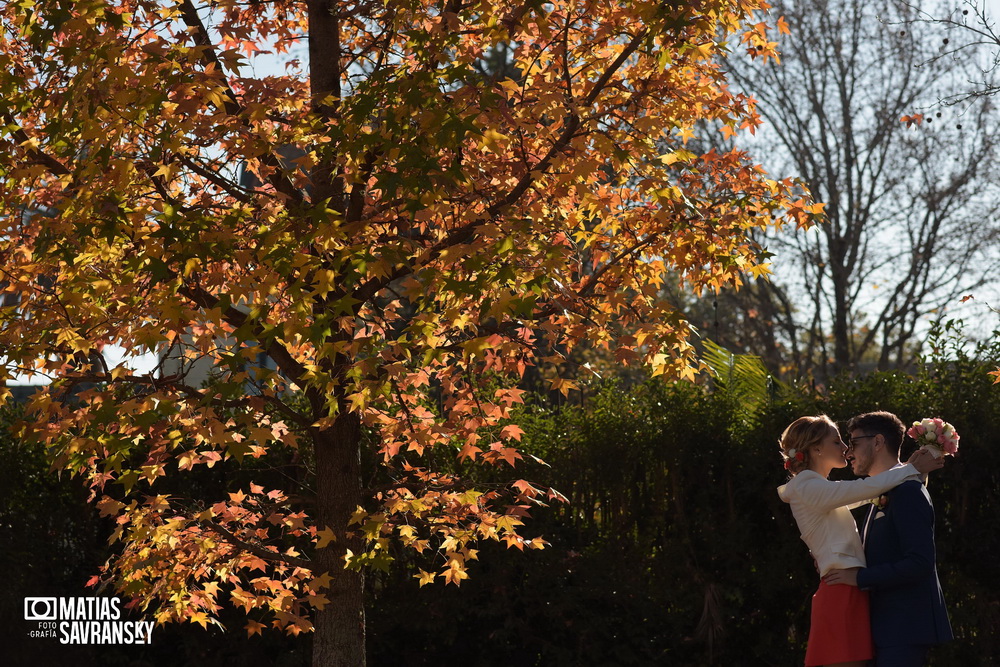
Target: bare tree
910 206
968 32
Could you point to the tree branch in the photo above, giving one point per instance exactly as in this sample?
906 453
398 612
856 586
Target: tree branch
572 120
170 382
210 60
260 552
53 165
286 362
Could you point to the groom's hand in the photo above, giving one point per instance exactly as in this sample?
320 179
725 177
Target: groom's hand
925 462
849 577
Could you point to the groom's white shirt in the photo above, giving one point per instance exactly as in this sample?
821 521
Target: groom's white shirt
821 510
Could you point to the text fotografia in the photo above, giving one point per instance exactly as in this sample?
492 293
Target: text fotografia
85 620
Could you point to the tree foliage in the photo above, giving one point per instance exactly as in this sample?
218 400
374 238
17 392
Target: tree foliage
414 236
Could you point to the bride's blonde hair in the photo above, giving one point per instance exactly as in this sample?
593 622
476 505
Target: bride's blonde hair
800 438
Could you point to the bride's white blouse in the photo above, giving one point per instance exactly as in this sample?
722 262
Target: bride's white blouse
821 510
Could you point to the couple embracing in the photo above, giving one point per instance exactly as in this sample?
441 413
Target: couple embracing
878 598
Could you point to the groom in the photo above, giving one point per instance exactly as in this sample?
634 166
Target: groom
907 608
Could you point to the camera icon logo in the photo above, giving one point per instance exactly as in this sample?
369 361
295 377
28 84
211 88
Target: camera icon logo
40 609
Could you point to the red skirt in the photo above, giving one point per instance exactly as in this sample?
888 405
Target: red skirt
840 628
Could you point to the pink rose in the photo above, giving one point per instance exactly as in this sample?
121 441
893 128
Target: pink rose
921 430
941 440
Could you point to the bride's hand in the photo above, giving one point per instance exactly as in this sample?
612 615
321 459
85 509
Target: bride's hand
848 577
924 461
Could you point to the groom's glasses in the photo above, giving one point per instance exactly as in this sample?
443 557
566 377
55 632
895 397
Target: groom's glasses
851 442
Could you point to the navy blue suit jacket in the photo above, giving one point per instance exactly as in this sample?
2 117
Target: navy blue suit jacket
907 605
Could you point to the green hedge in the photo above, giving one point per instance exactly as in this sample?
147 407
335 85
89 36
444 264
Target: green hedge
674 548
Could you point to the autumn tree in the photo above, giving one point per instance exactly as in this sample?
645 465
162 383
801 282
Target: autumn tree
415 237
909 186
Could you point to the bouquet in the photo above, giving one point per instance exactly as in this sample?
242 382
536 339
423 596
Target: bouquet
936 436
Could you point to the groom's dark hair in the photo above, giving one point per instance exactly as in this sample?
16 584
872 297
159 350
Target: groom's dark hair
883 423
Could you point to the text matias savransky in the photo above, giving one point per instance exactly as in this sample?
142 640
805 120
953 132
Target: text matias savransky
85 620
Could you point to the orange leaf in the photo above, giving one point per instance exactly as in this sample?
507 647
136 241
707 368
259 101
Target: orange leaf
254 628
425 578
454 574
468 451
511 431
325 537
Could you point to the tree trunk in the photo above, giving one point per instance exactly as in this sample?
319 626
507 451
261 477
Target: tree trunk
840 273
339 639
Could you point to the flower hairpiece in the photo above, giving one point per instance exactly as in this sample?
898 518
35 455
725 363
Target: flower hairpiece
793 455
